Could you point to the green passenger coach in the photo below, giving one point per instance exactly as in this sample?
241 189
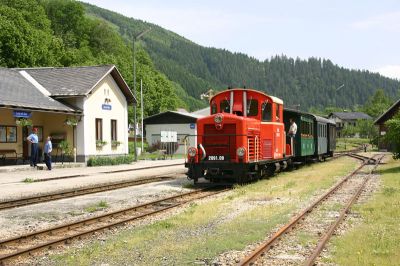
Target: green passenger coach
304 144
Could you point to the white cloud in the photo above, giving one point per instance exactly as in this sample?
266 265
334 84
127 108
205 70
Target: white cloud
387 22
390 71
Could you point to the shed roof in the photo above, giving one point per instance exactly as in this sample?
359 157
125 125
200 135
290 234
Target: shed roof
76 81
17 92
350 115
388 114
171 117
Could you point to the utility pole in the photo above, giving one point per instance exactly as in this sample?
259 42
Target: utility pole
134 88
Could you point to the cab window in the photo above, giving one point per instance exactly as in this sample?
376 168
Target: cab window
225 106
252 107
277 112
213 108
266 110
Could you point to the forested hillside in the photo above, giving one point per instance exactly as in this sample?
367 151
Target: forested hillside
40 33
310 83
174 70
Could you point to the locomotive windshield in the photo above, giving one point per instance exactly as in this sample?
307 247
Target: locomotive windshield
266 109
225 106
214 108
252 107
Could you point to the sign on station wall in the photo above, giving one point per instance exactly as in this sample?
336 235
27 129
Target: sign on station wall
22 114
169 136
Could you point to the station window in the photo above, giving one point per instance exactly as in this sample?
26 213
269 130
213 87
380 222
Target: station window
8 134
252 107
225 106
99 129
266 109
113 130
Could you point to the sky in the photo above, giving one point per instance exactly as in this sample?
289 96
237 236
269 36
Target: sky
356 34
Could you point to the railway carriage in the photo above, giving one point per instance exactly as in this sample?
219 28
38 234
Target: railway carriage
303 142
324 128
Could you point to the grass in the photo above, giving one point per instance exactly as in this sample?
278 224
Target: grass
377 240
343 144
28 180
97 207
205 230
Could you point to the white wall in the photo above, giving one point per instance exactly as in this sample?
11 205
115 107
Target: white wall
92 107
153 134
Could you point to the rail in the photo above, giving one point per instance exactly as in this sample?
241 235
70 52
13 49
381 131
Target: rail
28 243
248 260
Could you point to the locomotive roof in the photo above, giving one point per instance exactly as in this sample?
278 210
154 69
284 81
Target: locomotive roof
273 98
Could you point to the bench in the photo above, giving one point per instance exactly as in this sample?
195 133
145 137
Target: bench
10 154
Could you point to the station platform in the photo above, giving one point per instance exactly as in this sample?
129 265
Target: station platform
19 173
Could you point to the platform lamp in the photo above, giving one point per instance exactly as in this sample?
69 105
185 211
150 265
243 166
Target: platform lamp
135 38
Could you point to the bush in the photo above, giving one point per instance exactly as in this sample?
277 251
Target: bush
99 160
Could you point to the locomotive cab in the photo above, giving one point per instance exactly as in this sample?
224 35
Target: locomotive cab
241 140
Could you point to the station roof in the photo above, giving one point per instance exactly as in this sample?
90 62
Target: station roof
388 114
76 81
350 115
17 92
171 117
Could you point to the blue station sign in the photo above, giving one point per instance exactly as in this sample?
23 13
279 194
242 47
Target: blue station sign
22 114
106 107
192 125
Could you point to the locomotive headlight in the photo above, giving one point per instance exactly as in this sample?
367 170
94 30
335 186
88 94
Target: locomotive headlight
241 151
192 151
218 119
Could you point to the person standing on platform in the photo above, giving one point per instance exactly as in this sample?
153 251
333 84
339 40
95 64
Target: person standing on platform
48 147
34 139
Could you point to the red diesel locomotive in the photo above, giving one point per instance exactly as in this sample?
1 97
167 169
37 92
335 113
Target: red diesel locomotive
243 139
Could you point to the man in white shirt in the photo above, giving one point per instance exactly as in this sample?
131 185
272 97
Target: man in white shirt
292 129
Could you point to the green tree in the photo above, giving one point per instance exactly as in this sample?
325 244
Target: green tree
347 132
377 104
393 135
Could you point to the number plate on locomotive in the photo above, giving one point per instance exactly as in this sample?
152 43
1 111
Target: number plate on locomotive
216 158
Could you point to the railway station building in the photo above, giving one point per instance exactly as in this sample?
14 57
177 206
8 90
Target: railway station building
380 122
83 109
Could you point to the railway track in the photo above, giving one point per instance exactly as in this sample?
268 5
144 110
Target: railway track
30 243
350 186
79 192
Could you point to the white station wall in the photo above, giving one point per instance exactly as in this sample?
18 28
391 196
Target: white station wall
107 88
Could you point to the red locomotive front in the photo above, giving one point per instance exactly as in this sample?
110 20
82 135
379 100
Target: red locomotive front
243 138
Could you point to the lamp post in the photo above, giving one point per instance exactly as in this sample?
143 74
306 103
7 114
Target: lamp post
135 38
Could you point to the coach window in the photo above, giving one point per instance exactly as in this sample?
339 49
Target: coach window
225 106
266 109
213 108
252 107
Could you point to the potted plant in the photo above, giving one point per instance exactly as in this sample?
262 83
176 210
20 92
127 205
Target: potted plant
71 121
115 143
100 143
23 122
